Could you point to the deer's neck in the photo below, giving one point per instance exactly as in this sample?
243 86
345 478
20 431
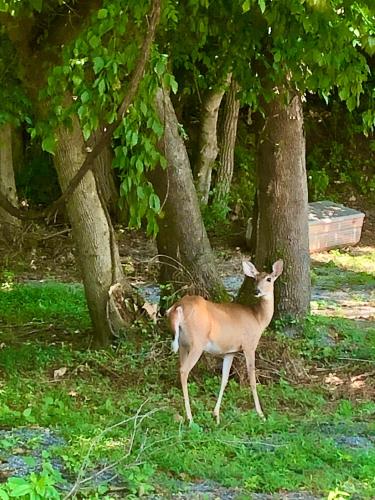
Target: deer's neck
264 311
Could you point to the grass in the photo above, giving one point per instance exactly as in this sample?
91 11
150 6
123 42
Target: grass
338 268
300 447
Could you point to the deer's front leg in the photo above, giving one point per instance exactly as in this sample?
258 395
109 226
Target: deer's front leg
227 363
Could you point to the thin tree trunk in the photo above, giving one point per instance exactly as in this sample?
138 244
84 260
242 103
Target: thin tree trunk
283 204
93 234
254 230
8 223
208 147
182 236
228 141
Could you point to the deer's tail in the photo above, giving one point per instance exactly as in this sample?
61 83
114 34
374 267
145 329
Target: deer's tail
175 315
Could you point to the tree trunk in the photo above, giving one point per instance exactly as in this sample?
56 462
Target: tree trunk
8 223
182 237
283 205
228 141
93 233
106 177
208 148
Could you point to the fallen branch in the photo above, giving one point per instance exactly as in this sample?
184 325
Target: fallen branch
359 359
59 233
137 419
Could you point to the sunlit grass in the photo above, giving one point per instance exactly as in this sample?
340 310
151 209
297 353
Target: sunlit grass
356 266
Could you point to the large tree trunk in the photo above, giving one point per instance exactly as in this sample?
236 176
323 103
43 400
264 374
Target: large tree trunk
93 233
8 223
282 230
182 237
208 148
227 143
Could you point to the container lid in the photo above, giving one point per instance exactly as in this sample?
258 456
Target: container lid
328 211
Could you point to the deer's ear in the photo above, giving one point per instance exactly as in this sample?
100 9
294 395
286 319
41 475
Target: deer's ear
277 268
249 269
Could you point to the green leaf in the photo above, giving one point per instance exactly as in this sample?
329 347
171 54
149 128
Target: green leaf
102 13
154 202
157 127
143 107
139 166
262 5
85 96
98 64
21 490
49 145
174 85
134 139
112 115
140 192
246 6
101 87
159 68
37 4
86 130
3 494
94 42
77 80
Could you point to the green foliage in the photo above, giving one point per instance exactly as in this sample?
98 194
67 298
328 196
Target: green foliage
35 487
96 68
14 104
305 37
329 340
242 193
29 7
339 163
43 302
174 455
215 215
136 151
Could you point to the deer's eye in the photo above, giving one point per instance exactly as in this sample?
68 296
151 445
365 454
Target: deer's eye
269 279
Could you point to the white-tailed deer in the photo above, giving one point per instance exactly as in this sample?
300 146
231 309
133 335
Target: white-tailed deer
223 329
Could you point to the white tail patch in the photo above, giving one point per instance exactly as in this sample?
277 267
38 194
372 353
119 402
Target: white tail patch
177 323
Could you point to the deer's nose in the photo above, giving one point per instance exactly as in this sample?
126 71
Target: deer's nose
257 292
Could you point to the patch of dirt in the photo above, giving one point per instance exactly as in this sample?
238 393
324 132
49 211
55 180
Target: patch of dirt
346 303
209 490
22 450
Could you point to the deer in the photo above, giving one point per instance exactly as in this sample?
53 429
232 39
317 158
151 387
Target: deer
223 329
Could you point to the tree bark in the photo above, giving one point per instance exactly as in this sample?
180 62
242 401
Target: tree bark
228 141
283 205
208 147
182 238
106 177
8 223
92 231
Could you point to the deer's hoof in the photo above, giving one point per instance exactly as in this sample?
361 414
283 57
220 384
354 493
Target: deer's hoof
217 416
